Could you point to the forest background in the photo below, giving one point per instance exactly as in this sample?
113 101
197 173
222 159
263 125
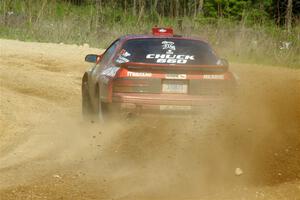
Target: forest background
253 31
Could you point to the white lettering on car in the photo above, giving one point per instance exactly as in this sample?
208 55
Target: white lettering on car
187 57
170 56
181 61
170 59
150 56
180 57
161 60
139 74
160 55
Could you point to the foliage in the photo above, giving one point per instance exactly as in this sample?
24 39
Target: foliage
242 30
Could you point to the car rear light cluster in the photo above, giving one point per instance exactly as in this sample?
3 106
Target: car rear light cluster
155 82
128 85
137 85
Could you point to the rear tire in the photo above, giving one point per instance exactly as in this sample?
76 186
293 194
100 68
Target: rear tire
103 110
87 110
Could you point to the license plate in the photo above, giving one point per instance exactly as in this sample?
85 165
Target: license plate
175 76
180 87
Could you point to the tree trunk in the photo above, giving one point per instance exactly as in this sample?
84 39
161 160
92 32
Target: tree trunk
141 7
125 7
134 8
163 8
154 7
171 9
261 8
219 9
200 6
155 4
98 18
278 13
288 16
195 9
177 7
184 8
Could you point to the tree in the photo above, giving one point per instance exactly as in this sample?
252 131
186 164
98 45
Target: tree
200 6
288 16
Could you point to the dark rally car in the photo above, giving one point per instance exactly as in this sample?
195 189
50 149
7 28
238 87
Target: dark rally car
157 72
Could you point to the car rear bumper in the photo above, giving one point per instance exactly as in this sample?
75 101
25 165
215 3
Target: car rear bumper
164 101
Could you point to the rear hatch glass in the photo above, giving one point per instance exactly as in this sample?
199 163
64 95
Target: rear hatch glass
167 51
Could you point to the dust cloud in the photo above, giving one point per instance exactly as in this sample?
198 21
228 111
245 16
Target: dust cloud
48 151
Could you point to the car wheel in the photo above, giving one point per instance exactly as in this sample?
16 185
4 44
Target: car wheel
103 111
86 103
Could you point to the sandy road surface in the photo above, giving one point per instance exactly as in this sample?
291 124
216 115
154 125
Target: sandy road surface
48 152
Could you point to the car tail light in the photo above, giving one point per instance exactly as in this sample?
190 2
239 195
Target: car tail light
129 85
162 31
135 81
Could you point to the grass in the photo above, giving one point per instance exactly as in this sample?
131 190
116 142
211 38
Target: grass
238 41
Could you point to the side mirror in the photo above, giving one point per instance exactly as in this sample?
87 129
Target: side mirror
92 58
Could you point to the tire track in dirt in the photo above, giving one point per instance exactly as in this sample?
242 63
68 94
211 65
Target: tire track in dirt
47 151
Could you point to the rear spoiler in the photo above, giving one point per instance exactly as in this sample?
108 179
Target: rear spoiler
175 67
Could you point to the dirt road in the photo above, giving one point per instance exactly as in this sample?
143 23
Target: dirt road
48 152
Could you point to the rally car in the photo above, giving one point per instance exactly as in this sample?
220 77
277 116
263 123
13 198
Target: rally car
158 72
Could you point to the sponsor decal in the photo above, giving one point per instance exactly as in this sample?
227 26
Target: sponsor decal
121 60
110 71
168 45
169 52
139 74
170 59
176 76
124 53
123 56
213 76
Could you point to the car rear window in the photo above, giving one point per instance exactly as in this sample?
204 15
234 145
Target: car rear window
167 51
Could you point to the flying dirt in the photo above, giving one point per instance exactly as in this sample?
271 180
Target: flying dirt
245 148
